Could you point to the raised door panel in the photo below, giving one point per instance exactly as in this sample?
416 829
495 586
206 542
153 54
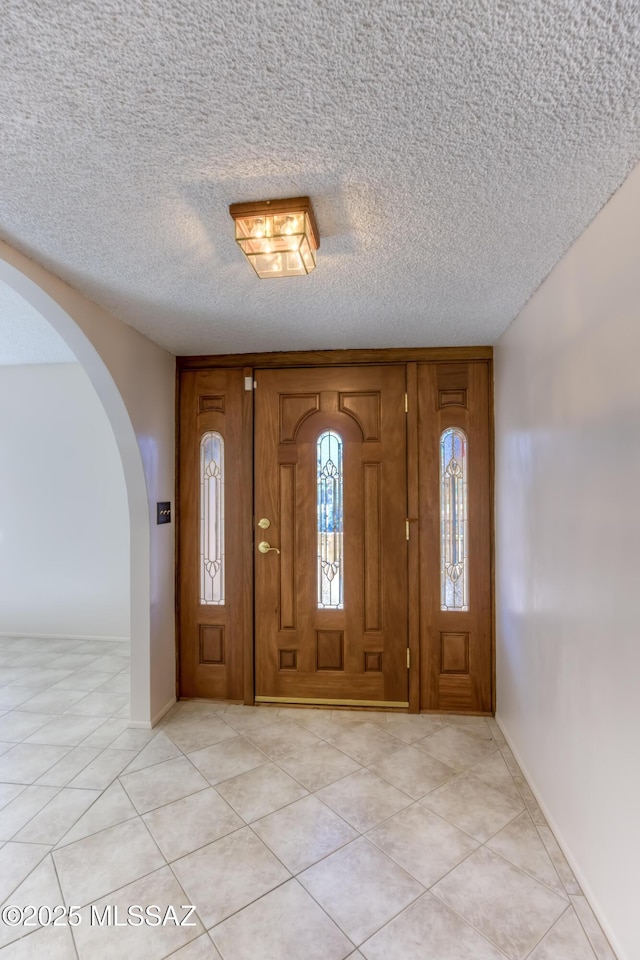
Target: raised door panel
331 606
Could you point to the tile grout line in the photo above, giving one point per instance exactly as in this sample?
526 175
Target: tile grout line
552 927
498 747
73 939
468 922
37 813
586 932
240 909
510 864
35 867
377 930
294 876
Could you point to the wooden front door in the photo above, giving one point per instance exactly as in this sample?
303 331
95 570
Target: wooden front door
455 477
324 452
330 488
214 542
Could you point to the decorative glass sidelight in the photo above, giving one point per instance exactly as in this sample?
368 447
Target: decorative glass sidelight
330 521
454 532
212 519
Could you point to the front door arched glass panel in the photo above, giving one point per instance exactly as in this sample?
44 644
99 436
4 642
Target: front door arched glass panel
454 535
212 519
330 521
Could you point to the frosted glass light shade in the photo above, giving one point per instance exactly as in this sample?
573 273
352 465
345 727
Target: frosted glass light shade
279 238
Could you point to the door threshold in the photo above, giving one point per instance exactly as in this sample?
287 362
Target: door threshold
325 702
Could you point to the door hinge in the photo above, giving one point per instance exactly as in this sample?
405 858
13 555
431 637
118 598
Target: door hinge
408 659
406 528
406 403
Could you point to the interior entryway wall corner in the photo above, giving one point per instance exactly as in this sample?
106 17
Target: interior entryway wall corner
135 380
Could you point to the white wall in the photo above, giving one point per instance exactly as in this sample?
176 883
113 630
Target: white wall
64 518
135 380
568 562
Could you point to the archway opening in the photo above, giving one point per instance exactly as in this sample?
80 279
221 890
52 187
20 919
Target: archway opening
83 381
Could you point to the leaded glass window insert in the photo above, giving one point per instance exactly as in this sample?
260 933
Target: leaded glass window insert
454 524
212 519
330 521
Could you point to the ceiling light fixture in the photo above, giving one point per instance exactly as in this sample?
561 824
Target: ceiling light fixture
279 238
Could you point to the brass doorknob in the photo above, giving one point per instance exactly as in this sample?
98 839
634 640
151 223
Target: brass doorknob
265 547
264 524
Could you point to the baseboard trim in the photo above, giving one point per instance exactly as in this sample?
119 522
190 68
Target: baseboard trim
60 636
566 850
150 724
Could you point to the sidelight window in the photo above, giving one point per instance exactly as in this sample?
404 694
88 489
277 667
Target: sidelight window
212 519
454 534
330 521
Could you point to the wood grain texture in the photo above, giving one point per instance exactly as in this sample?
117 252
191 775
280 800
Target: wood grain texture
413 512
287 659
245 499
452 398
294 408
314 358
331 643
441 690
216 652
372 661
210 403
211 637
288 546
454 652
456 694
365 410
371 484
329 649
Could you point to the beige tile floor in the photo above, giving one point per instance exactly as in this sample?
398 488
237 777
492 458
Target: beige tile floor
296 833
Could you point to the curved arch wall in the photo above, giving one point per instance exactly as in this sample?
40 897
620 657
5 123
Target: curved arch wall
135 380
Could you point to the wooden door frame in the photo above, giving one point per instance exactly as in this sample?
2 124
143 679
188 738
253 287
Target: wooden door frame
409 356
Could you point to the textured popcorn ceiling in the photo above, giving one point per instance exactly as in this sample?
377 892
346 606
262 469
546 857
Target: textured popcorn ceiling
25 336
453 151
